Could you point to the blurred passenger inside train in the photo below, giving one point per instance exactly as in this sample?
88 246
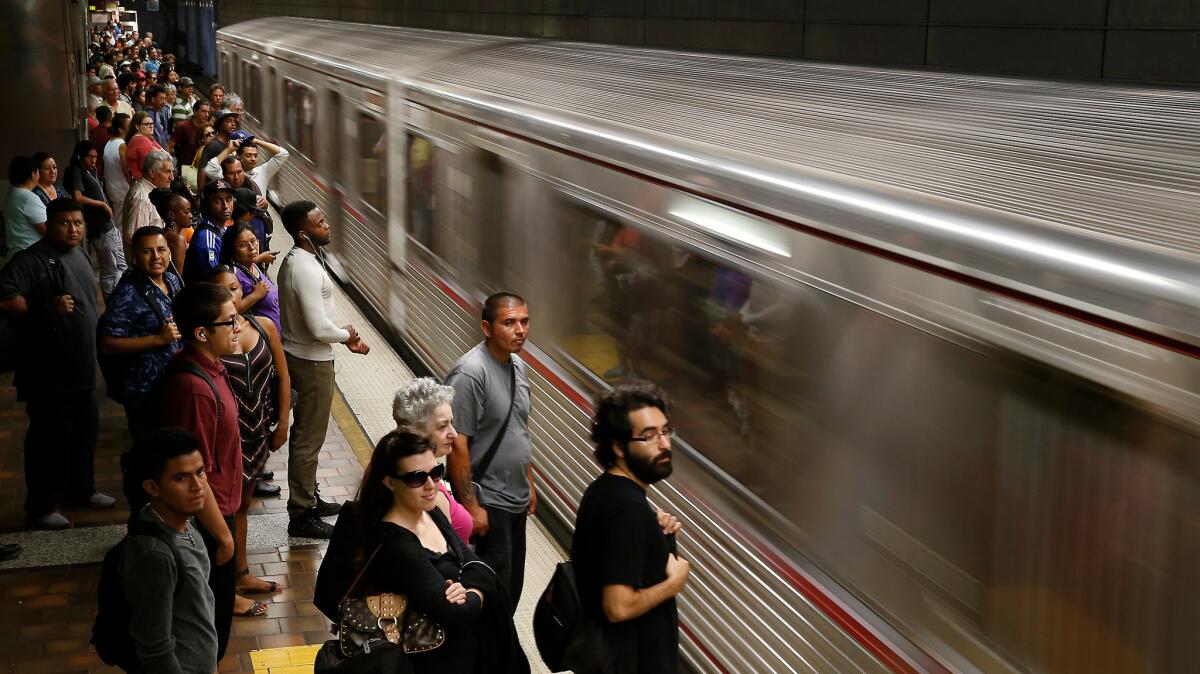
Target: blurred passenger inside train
84 186
195 395
48 187
138 333
491 405
138 211
623 552
226 124
204 251
307 312
239 251
259 378
24 213
409 547
423 405
50 286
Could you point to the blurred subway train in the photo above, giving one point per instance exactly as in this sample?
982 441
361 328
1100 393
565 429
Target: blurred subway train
932 338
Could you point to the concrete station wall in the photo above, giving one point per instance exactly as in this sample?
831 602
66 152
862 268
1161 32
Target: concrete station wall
1133 40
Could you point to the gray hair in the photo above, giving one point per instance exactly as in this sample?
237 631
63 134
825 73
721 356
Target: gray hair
155 159
416 401
230 101
170 88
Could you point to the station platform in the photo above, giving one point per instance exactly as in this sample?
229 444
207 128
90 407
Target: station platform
48 594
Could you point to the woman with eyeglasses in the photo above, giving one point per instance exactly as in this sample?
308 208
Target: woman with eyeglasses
116 182
239 250
141 142
259 378
423 405
402 543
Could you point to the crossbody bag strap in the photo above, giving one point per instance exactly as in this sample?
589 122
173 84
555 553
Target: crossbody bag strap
486 461
361 572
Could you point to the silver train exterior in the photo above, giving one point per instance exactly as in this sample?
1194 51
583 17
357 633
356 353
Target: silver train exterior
932 338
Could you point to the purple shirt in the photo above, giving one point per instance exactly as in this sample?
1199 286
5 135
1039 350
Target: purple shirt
267 307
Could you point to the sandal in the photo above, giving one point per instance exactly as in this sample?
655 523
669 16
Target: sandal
256 609
275 587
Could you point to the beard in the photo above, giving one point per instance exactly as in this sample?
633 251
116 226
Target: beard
649 469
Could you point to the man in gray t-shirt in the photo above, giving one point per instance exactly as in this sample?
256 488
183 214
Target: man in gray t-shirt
491 396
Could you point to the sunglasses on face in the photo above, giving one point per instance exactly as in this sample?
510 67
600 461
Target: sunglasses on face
417 478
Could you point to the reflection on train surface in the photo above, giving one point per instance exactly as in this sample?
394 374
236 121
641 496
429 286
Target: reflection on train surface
932 338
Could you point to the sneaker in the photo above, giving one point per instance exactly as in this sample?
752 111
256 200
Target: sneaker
309 526
326 509
52 521
97 500
9 551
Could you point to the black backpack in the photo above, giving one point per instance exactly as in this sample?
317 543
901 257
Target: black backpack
110 632
557 617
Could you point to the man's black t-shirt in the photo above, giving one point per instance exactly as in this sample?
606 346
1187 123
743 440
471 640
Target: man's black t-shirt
58 352
618 542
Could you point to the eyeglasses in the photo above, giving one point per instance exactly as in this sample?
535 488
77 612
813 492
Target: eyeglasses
222 324
209 134
649 438
417 478
146 124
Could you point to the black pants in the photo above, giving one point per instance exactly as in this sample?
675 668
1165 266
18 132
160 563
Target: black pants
223 582
503 548
141 414
60 449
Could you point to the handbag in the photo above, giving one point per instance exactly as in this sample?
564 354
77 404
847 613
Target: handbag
370 622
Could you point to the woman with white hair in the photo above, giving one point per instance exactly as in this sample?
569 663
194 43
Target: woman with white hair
423 406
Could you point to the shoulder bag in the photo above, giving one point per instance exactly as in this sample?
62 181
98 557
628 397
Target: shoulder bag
368 622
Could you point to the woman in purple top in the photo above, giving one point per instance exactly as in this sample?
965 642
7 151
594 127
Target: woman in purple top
423 406
260 297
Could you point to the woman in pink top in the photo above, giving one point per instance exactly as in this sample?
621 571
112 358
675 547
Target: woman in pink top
139 143
423 406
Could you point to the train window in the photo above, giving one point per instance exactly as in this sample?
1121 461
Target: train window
372 161
252 90
226 73
300 118
420 188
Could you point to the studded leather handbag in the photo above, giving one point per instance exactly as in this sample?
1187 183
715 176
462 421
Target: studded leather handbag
370 622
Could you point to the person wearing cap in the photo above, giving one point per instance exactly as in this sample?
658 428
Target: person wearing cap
204 251
94 98
185 100
226 123
246 209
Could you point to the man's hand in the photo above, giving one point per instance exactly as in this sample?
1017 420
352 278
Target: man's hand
64 304
169 333
353 333
357 345
261 202
669 523
678 570
234 145
479 520
531 509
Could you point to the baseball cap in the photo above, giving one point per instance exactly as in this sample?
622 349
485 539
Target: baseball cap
186 82
245 201
244 137
93 80
222 114
214 186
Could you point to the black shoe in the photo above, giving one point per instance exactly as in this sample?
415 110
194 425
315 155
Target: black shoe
263 489
309 526
326 509
9 551
267 475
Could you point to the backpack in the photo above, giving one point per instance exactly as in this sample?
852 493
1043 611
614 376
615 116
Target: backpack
557 617
110 632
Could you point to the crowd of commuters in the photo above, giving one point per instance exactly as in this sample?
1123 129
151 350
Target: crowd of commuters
205 352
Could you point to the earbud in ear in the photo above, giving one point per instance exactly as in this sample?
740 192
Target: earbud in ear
203 336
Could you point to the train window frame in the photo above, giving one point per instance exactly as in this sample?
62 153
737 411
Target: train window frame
381 204
250 86
295 141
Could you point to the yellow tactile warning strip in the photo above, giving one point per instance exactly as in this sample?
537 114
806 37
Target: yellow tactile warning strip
352 430
289 660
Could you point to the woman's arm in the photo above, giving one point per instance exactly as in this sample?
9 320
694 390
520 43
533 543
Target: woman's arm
414 575
283 404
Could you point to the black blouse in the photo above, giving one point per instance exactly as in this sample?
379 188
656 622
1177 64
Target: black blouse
406 567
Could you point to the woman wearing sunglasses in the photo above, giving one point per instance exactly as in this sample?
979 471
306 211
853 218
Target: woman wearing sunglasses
423 405
399 539
259 378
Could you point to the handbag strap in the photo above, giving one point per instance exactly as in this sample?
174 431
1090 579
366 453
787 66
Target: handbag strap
361 572
512 402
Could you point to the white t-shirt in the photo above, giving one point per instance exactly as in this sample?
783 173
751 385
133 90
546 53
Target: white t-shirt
115 183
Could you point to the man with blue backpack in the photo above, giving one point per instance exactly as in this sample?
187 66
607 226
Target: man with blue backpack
156 609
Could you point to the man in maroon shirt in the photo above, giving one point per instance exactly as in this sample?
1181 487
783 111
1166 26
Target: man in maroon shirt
186 139
207 320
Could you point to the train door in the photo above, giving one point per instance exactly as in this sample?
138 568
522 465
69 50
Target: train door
331 142
364 235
